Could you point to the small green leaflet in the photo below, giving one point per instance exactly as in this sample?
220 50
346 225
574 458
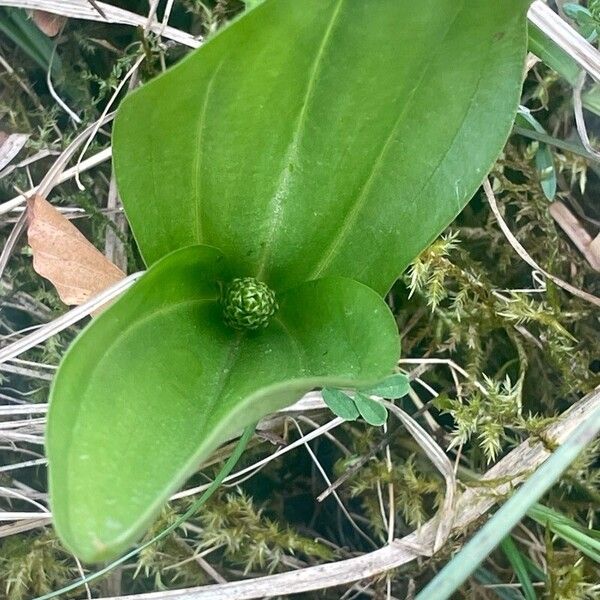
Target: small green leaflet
348 408
392 387
340 404
371 411
588 26
543 156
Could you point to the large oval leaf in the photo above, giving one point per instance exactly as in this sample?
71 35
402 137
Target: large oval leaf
323 137
154 384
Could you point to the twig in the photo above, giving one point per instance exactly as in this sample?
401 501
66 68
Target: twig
22 526
580 119
328 482
114 248
355 467
11 242
66 320
82 9
25 409
441 462
525 256
36 462
57 172
28 160
98 9
578 48
24 372
299 442
568 222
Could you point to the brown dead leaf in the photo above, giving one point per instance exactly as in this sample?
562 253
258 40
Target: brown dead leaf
49 23
62 254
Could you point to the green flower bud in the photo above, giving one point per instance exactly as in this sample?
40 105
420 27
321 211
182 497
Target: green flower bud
248 304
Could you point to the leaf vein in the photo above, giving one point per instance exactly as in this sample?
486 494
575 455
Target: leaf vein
292 152
352 214
198 159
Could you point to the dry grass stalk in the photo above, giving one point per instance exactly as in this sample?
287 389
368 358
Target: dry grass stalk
580 50
525 256
569 223
84 165
100 11
512 470
10 146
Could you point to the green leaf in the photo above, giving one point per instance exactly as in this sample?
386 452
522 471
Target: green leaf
517 562
373 412
340 404
583 18
323 137
543 157
15 24
393 387
250 4
223 472
158 381
488 578
586 540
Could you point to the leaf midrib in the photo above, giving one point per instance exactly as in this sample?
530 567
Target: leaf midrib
198 159
350 217
276 203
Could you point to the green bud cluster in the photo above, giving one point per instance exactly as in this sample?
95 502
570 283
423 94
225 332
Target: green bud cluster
248 304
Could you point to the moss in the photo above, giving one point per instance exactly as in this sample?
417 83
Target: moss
528 355
32 565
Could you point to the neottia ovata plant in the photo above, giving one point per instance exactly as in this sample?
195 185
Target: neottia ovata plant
277 181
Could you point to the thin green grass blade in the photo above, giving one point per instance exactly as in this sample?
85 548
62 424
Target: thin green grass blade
585 540
460 568
573 147
581 541
557 59
486 577
536 573
520 568
15 25
544 160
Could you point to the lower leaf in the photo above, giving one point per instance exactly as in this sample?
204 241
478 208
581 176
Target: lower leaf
370 410
158 381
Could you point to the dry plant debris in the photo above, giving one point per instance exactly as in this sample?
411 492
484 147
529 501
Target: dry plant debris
49 23
62 254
